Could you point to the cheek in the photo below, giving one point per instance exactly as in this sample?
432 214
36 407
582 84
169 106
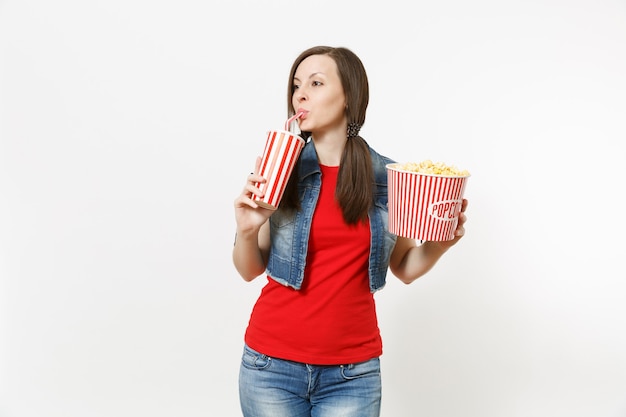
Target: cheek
338 104
337 110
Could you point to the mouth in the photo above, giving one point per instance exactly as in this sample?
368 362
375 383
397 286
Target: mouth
303 112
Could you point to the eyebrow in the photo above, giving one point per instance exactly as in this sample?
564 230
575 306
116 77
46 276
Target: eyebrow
310 76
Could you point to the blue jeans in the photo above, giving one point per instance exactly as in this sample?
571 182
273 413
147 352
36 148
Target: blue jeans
271 387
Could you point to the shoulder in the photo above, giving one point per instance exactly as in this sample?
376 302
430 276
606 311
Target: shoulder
379 163
379 158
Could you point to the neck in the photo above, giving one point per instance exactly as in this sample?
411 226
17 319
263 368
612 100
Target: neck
329 151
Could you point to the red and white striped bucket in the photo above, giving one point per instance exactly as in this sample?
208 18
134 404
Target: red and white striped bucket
281 152
424 206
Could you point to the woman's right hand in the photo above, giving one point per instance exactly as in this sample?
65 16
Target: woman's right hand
252 241
248 214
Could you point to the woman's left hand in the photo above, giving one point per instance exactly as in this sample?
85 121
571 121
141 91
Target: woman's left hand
409 261
460 228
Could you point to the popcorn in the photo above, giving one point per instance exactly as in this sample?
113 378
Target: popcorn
425 199
434 168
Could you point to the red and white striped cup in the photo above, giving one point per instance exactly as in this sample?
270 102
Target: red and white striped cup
424 206
281 152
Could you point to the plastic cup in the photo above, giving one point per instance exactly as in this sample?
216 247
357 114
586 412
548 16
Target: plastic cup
281 152
424 206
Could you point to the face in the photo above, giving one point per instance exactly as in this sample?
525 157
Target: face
318 91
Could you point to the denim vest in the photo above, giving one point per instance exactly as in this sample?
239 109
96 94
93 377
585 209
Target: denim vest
289 230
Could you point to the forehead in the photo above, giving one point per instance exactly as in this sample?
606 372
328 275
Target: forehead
316 64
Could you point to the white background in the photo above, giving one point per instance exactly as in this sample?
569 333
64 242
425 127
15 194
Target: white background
127 129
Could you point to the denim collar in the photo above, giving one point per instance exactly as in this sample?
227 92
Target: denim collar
309 163
308 160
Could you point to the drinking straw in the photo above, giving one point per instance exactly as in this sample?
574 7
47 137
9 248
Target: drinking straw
291 119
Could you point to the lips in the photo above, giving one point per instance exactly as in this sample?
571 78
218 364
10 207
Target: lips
304 113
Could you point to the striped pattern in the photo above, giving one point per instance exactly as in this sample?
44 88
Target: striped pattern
281 152
423 206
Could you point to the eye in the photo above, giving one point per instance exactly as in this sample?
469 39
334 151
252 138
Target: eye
316 83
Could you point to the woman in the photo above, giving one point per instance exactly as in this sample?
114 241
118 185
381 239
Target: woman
312 345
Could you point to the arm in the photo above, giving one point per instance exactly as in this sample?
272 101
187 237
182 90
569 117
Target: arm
408 261
252 240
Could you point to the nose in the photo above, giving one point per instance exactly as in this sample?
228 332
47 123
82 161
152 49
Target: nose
299 95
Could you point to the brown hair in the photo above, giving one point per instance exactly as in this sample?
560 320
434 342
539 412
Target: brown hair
355 185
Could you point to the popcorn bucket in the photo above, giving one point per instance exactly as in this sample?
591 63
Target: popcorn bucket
281 152
424 206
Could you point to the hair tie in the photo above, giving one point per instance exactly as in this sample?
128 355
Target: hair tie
353 129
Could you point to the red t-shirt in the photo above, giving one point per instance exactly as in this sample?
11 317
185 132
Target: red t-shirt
332 318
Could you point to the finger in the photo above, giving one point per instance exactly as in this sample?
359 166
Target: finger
245 200
250 189
464 205
255 178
